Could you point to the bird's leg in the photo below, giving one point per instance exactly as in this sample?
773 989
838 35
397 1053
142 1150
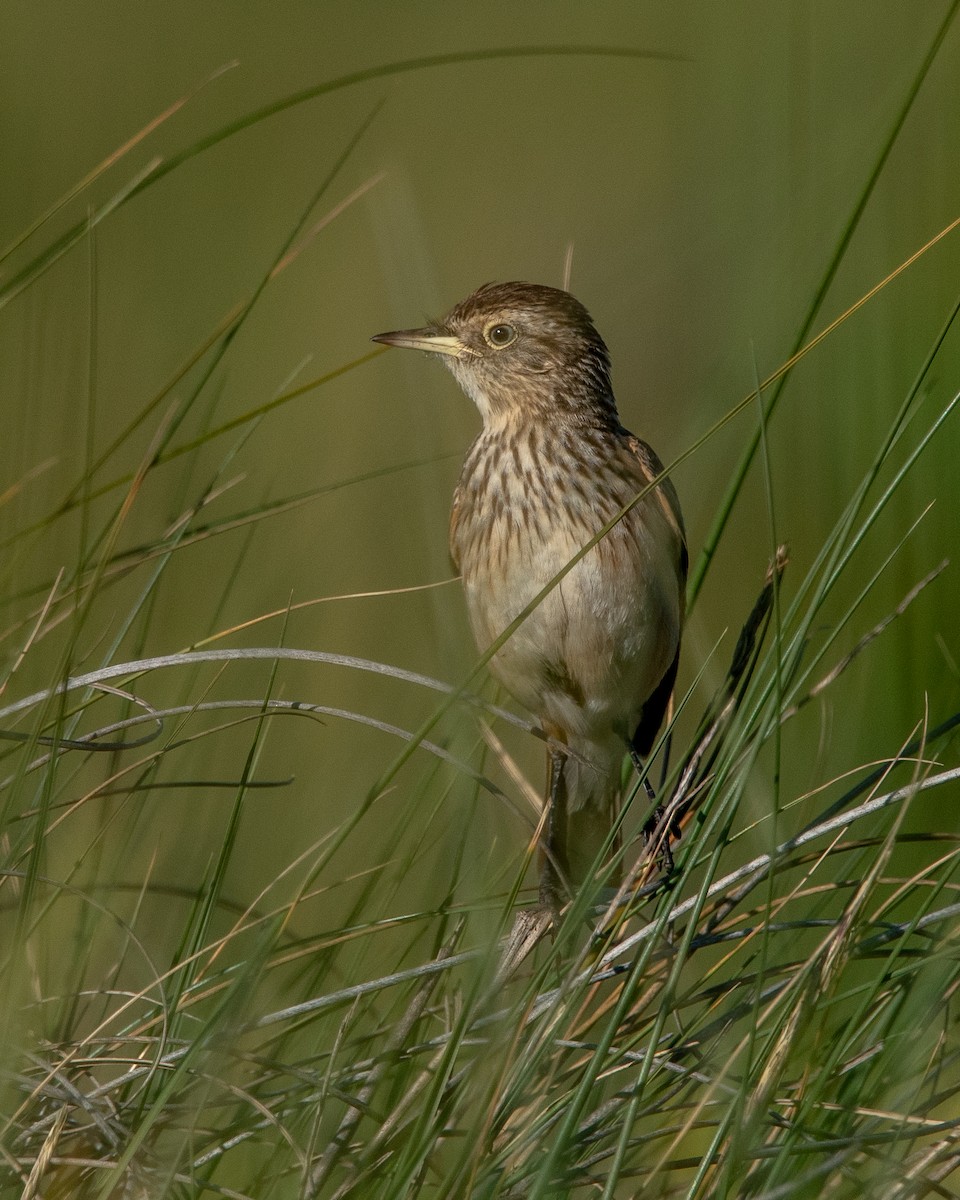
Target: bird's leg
654 823
531 924
553 861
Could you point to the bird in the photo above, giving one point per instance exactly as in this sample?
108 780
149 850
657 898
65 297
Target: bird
595 661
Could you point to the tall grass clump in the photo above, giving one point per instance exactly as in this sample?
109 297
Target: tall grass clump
196 1001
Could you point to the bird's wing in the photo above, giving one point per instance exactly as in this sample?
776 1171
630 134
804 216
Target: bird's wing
454 522
666 493
656 705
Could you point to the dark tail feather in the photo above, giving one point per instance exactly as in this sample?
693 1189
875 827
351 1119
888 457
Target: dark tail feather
651 718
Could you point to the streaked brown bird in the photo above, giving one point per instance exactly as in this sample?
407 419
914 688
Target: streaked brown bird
596 660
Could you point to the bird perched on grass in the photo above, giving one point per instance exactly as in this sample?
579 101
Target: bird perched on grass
595 661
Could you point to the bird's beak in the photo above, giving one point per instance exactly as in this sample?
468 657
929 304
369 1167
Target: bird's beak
423 339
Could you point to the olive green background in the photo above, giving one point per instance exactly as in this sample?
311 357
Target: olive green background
701 191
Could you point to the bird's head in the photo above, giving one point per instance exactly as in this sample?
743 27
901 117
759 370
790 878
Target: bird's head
520 348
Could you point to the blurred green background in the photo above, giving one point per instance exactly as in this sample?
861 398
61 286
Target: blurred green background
701 192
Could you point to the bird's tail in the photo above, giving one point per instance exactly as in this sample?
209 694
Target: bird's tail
584 806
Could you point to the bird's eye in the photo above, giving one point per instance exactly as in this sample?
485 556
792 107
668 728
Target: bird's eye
500 335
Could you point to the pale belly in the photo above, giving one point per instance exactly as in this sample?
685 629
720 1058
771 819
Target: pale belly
591 652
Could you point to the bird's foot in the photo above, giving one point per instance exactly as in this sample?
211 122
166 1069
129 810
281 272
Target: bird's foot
657 835
529 926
